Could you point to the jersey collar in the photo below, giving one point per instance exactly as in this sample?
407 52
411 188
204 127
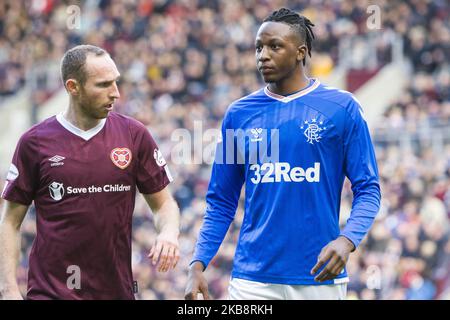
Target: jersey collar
85 135
293 96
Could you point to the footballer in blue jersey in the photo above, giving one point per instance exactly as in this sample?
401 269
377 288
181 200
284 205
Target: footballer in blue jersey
291 144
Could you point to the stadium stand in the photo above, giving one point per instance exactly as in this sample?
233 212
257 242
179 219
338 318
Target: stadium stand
185 61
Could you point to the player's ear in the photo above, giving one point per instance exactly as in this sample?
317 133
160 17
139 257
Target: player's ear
301 52
73 87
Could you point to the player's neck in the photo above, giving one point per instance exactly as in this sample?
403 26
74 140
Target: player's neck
79 119
289 85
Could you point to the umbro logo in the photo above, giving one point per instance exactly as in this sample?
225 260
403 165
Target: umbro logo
56 161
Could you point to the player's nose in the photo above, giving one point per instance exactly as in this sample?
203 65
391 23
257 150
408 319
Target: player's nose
114 94
263 54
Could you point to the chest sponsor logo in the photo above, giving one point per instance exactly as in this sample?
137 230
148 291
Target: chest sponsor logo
121 157
312 130
56 190
56 161
283 172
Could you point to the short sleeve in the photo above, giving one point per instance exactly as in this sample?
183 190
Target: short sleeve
22 179
153 174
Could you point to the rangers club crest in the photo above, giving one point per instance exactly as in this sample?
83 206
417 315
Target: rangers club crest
121 157
312 131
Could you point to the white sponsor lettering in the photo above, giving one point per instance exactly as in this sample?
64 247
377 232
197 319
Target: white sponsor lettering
282 172
57 189
72 190
116 188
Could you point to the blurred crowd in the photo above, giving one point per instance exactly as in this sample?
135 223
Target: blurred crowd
407 252
184 61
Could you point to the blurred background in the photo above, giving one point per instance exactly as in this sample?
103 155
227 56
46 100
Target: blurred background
186 60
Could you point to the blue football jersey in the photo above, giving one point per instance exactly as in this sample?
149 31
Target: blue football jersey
292 153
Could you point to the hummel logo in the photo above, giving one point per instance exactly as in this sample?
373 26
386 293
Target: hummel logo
56 161
256 134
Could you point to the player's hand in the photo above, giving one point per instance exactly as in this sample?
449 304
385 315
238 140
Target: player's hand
196 283
336 253
165 250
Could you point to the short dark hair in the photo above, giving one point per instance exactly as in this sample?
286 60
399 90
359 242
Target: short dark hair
74 60
300 23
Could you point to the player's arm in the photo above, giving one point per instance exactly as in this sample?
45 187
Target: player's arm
167 223
361 169
221 202
10 222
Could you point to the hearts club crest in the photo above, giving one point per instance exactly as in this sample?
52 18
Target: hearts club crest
121 157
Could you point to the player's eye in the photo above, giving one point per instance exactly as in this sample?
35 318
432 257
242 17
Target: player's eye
258 48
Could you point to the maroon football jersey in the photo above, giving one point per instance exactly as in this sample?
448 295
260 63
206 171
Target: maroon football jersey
83 184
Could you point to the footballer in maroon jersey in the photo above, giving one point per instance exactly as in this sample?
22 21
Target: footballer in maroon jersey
82 169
